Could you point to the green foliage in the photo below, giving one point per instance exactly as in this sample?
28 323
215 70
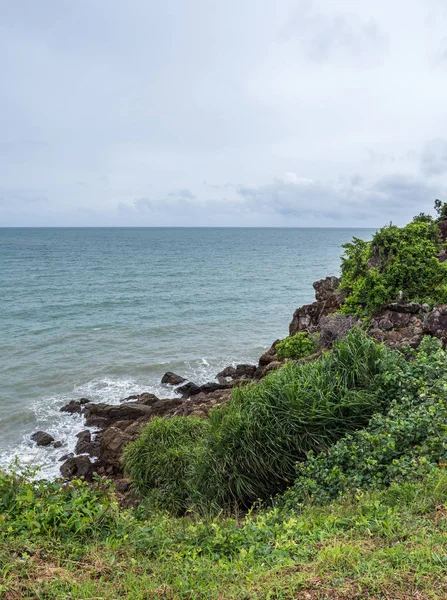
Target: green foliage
255 440
160 460
77 510
398 261
297 346
406 441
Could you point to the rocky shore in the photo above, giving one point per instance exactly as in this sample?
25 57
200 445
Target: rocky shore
399 324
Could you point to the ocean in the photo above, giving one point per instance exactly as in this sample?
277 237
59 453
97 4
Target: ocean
104 312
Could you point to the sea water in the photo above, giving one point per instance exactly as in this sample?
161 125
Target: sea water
103 313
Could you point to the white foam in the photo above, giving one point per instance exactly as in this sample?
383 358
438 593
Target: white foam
64 426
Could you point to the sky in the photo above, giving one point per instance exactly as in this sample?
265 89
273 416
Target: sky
279 113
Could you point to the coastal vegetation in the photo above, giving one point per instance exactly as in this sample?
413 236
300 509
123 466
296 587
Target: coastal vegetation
326 479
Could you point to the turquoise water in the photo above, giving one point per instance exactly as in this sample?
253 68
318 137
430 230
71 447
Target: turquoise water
103 313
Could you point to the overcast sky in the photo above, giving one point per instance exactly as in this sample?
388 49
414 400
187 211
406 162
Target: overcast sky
221 112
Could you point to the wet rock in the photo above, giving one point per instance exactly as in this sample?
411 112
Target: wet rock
57 444
42 438
86 444
170 378
75 406
66 456
147 399
133 397
234 373
211 386
77 466
189 389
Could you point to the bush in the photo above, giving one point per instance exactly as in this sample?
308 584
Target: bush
160 460
407 440
399 261
297 346
256 439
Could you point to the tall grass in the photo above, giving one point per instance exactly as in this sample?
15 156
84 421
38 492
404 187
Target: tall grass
256 439
160 460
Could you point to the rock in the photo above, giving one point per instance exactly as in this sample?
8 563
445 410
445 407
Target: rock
170 378
57 445
325 288
66 457
77 466
334 327
269 356
112 444
105 415
42 438
134 397
85 444
405 307
189 389
147 399
435 322
123 485
75 406
233 373
211 386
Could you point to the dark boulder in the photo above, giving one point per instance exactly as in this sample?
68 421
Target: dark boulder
170 378
75 406
189 389
86 444
77 466
238 372
42 438
66 457
57 444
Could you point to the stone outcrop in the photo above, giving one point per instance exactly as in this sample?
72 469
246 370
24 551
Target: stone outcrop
329 300
170 378
42 438
75 406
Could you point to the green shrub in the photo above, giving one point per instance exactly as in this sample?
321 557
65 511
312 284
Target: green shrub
160 460
406 441
297 346
397 261
75 510
256 439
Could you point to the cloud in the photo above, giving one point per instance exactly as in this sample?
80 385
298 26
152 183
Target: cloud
21 196
434 158
334 35
395 195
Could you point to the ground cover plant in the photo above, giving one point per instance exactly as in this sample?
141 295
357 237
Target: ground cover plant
297 346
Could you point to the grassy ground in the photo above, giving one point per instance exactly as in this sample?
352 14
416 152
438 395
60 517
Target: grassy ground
391 544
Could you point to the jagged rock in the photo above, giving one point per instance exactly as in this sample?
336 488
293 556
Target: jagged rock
189 389
86 445
170 378
42 438
211 386
325 288
435 322
334 327
75 406
112 444
268 356
78 466
104 415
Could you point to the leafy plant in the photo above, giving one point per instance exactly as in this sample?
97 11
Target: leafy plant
160 460
297 346
406 441
398 261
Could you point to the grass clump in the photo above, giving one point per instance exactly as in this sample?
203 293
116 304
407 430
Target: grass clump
299 345
160 460
406 441
399 262
256 439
